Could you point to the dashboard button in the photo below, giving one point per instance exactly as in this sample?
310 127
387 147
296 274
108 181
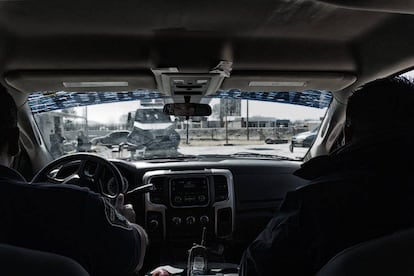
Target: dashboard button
189 198
153 224
178 199
204 220
220 197
190 220
176 220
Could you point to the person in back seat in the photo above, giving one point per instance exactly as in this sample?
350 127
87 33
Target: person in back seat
361 191
63 219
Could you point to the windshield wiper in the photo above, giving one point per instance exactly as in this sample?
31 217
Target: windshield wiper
261 156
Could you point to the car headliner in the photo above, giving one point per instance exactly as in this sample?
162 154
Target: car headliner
367 40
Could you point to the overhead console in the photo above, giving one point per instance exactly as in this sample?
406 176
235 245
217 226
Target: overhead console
181 85
183 202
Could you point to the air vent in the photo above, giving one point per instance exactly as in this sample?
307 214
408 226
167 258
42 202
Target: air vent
221 190
160 192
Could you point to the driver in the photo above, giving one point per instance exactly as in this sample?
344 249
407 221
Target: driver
63 219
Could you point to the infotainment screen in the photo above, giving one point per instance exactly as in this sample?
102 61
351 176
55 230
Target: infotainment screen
189 191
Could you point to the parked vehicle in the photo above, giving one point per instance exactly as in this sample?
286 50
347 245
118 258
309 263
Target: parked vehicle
113 138
304 139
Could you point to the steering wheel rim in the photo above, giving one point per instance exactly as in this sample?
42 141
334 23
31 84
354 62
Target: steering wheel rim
81 174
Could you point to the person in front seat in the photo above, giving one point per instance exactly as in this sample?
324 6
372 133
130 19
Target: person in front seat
63 219
361 191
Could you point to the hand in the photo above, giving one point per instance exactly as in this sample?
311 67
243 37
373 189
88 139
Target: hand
126 210
160 272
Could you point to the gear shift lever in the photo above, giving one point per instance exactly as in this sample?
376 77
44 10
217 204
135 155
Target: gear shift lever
197 257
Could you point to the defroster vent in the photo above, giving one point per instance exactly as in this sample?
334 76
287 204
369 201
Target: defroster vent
221 189
160 192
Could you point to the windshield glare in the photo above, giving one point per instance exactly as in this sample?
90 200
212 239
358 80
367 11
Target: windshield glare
137 129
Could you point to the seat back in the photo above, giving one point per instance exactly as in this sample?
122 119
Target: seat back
21 261
389 255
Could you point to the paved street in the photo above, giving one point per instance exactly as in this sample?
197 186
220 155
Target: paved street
218 148
276 149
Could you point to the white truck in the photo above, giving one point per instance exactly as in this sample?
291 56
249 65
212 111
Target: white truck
152 129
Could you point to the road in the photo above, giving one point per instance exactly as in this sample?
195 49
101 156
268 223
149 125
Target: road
217 148
274 149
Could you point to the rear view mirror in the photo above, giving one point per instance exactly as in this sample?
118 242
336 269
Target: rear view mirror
187 109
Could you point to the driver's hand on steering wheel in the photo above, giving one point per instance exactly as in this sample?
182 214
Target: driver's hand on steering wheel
126 210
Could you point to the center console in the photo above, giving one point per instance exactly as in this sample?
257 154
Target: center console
184 202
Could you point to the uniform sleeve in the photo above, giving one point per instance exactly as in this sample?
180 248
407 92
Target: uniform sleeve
280 248
115 246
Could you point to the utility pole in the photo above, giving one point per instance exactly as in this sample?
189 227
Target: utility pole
227 110
247 120
187 118
86 122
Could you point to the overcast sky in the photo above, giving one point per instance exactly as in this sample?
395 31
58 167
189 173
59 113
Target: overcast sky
409 74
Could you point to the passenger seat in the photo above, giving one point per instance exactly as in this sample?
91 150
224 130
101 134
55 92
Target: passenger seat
389 255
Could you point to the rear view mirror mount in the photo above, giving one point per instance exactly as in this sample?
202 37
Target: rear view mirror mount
187 109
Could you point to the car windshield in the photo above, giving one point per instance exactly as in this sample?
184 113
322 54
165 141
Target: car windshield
131 125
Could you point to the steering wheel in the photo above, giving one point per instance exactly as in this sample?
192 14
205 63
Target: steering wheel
86 170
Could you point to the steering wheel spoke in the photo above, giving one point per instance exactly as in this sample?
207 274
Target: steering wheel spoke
92 171
54 180
71 179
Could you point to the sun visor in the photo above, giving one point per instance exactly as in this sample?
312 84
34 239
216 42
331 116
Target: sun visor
298 81
80 81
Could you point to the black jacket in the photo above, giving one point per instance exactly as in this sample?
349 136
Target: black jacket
356 194
70 221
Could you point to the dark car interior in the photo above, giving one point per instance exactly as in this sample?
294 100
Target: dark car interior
332 45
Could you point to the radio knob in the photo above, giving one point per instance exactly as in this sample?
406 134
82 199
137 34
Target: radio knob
204 220
190 220
176 221
153 224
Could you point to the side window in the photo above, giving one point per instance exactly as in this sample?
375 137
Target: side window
409 74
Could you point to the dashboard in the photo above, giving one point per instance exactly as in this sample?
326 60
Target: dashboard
184 202
225 202
222 195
